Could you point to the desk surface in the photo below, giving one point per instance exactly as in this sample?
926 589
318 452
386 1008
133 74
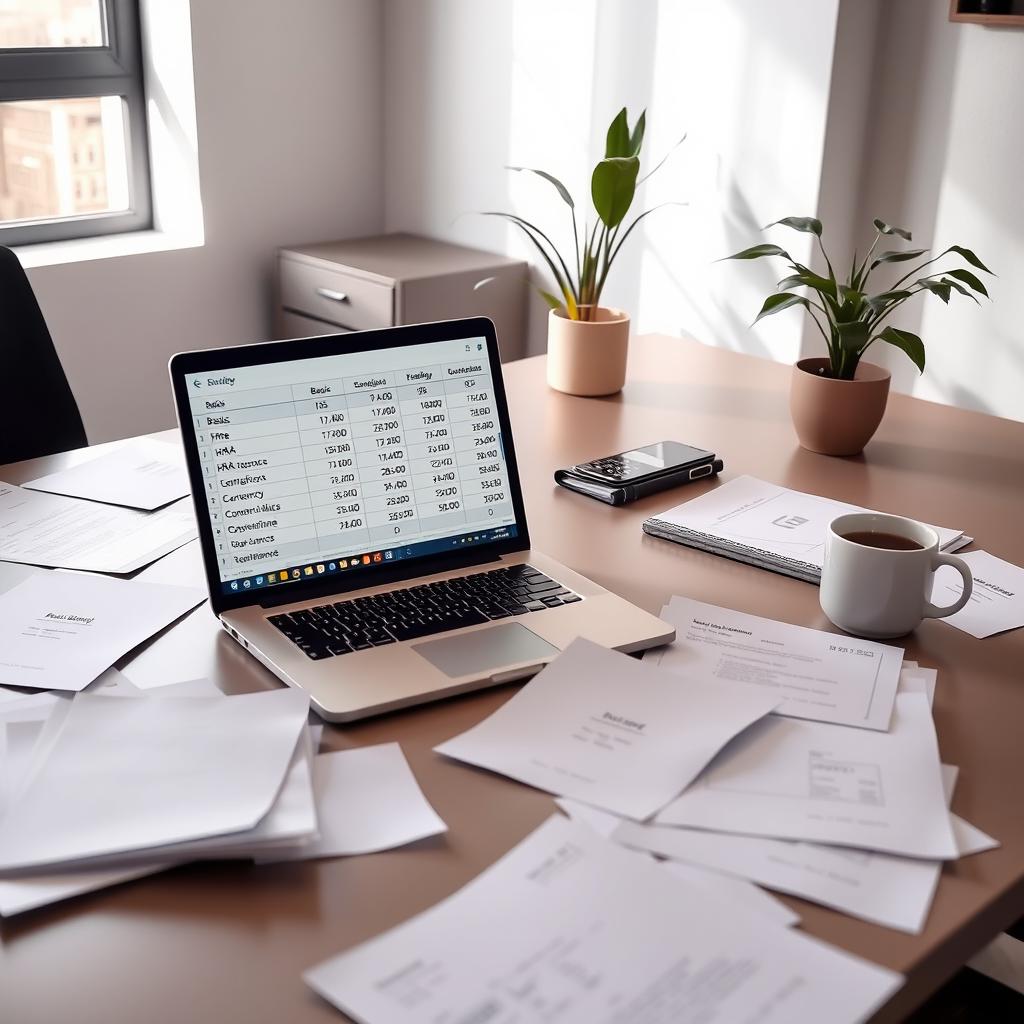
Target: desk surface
229 941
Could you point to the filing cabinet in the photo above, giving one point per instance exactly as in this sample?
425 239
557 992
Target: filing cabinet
387 280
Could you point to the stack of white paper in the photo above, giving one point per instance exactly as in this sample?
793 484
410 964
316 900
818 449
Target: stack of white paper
792 779
50 530
764 525
60 630
570 927
811 673
140 473
606 729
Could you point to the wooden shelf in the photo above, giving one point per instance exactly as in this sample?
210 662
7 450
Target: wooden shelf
960 10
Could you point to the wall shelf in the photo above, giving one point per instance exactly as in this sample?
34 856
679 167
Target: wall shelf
967 11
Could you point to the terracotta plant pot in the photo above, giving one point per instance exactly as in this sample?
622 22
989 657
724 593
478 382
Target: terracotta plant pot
588 357
837 417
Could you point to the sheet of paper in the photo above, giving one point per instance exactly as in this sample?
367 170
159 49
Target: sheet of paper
50 530
730 890
570 929
769 522
791 779
606 729
59 631
997 600
118 776
140 473
918 680
367 799
18 895
812 674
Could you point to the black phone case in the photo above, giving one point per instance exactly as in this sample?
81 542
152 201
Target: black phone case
613 495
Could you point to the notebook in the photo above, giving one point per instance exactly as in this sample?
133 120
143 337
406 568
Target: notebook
765 525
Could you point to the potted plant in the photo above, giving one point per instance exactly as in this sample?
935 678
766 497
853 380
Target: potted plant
587 342
837 402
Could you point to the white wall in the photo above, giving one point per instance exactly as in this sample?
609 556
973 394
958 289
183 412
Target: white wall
473 86
944 157
288 101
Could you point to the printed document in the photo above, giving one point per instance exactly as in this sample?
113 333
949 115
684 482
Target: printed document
729 889
367 799
116 776
997 600
791 779
569 928
60 630
811 673
765 525
51 530
141 473
606 729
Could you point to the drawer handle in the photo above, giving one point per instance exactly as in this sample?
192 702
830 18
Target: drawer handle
330 293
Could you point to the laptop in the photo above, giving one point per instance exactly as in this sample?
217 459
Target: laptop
362 522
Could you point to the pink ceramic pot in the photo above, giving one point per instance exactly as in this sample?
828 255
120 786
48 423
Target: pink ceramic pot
588 357
837 417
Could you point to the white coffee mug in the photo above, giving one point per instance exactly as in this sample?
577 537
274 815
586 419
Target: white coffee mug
880 592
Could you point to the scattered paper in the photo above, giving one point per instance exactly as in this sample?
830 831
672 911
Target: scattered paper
606 729
367 800
141 473
997 600
51 530
812 674
121 776
791 779
570 927
918 680
59 631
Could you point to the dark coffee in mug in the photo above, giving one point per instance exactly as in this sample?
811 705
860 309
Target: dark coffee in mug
878 539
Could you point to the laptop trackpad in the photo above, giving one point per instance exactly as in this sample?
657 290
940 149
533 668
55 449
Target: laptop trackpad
478 652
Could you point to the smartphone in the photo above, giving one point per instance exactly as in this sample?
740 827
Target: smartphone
682 462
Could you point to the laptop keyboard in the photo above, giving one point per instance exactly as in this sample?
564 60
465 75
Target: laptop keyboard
378 619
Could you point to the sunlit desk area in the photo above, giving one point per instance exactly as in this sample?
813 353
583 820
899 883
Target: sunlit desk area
229 941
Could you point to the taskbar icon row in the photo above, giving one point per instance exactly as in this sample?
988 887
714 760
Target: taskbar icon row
302 572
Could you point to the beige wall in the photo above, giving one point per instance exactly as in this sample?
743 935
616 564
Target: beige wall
290 149
943 156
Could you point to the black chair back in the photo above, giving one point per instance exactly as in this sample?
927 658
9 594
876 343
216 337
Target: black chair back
38 412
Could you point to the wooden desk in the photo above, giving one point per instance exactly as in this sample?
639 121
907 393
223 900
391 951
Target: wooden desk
222 942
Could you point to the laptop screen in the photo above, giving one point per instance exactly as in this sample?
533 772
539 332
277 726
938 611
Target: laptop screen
314 467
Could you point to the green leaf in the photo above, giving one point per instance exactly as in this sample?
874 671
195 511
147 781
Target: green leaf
777 303
897 256
853 336
969 279
811 280
755 252
969 256
810 225
957 286
848 294
936 288
553 301
613 186
636 138
562 190
906 342
876 303
617 141
888 229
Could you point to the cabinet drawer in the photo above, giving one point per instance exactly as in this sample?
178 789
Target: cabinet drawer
335 296
295 325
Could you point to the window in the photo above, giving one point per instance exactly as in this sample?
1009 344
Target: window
73 149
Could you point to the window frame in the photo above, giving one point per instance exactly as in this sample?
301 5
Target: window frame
58 73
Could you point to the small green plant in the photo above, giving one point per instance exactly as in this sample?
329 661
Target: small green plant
581 279
853 318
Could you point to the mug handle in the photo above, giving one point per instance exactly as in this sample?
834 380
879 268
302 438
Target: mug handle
932 611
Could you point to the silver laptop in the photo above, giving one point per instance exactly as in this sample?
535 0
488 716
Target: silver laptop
362 522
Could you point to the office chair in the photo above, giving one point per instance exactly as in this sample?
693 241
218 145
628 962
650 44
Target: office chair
38 412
